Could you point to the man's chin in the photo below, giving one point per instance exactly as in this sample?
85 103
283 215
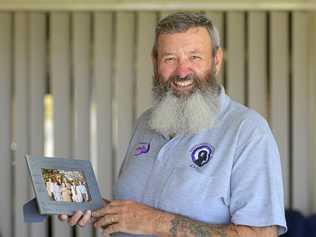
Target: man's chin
182 92
187 112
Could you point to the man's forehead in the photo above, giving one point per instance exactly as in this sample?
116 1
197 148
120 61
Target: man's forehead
202 31
196 38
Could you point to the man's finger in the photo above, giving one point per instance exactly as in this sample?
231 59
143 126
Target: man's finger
75 218
98 213
106 220
63 217
108 210
114 228
85 219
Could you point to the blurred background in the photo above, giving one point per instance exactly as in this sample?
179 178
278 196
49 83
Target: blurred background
75 75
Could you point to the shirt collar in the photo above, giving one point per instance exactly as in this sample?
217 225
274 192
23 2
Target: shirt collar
223 101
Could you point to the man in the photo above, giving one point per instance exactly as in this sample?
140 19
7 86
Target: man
57 190
78 192
83 191
198 164
50 187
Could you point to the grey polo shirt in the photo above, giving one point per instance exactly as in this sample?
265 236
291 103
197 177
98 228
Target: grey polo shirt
228 174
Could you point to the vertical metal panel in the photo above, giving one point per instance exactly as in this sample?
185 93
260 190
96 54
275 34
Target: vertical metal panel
217 19
21 116
279 89
124 82
5 123
103 73
82 91
300 112
144 70
103 26
257 63
37 78
236 83
60 74
312 108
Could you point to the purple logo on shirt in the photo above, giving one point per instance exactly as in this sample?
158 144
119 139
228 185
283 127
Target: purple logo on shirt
142 148
201 154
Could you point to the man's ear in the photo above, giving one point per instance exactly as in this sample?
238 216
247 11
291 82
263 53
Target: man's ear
218 60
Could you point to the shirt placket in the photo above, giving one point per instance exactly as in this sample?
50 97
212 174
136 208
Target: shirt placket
160 172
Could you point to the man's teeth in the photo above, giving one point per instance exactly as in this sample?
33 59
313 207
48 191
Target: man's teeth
184 83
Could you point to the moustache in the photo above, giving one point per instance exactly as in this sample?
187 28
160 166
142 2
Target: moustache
178 78
162 85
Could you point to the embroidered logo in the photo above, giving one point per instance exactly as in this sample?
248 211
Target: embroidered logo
142 148
201 154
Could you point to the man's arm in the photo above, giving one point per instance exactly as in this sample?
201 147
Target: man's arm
176 225
136 218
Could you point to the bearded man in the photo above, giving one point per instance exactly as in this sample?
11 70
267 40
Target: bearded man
198 163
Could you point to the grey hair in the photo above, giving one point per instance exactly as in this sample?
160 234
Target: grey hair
181 22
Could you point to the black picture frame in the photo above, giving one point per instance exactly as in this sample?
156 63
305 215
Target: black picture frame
46 206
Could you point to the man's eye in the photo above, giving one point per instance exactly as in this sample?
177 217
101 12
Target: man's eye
195 57
169 59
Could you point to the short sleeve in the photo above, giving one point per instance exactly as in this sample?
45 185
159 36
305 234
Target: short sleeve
256 184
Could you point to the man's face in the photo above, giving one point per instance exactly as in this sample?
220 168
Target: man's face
184 60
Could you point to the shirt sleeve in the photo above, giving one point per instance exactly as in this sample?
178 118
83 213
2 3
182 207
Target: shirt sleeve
256 184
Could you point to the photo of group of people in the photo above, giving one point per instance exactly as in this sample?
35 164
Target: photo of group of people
65 186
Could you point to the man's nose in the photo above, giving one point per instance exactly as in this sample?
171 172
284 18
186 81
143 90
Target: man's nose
183 69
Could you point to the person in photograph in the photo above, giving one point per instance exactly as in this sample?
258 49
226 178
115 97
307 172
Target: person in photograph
65 192
57 191
83 191
73 192
49 187
54 183
78 191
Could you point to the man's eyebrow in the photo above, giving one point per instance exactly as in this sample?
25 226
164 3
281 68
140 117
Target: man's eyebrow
166 54
195 51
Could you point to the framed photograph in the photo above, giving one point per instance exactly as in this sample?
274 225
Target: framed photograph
63 186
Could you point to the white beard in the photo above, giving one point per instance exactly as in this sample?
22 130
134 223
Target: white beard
173 115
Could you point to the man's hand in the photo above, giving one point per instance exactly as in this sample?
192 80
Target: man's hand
128 217
80 218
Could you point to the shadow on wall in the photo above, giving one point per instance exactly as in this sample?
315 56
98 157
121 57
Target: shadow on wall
299 225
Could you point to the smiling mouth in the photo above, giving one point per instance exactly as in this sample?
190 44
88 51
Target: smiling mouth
183 84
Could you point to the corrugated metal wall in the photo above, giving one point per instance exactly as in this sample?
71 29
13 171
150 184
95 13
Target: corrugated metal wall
96 67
